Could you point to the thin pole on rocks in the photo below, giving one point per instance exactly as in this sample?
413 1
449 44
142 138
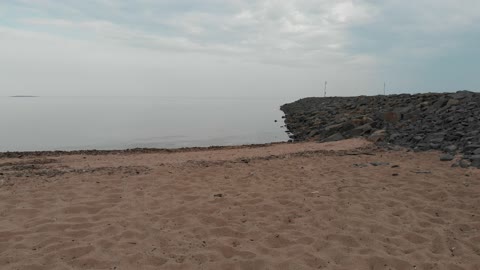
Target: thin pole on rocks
384 88
325 91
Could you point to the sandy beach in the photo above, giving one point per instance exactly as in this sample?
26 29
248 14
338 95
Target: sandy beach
338 205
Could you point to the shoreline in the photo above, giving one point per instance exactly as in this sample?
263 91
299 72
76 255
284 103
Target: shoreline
54 153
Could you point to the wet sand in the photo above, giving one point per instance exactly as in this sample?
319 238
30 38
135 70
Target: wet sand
283 206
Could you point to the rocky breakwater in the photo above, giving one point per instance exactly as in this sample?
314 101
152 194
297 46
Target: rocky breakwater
449 122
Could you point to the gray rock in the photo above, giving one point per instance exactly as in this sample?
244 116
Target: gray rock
378 135
379 164
313 133
333 128
392 117
395 136
334 137
434 146
464 163
452 102
462 94
446 121
436 140
470 148
450 148
475 163
447 157
360 165
358 131
474 157
439 103
422 172
422 147
418 138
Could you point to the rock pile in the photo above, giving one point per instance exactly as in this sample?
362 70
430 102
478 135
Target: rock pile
442 121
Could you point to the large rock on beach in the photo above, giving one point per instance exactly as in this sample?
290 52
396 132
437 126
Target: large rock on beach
449 122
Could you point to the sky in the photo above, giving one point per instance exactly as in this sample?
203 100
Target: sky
237 48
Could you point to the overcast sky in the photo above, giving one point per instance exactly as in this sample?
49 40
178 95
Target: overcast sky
236 48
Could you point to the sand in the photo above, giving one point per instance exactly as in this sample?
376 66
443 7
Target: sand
283 206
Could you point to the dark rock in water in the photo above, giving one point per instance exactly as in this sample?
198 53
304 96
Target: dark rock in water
422 122
447 157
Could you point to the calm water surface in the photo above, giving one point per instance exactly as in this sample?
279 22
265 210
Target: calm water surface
69 123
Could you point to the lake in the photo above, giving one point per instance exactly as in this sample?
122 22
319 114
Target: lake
78 123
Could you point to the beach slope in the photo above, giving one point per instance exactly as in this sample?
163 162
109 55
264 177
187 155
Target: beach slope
338 205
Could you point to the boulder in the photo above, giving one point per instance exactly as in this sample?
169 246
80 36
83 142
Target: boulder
361 130
452 102
474 157
391 117
313 133
378 136
334 137
475 163
450 149
464 163
447 157
395 136
333 128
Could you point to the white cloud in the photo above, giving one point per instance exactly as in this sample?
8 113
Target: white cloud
262 30
348 41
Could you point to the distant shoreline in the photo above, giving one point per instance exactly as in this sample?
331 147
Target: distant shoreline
22 96
94 152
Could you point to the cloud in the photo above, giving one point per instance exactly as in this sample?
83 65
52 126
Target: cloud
301 31
358 43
